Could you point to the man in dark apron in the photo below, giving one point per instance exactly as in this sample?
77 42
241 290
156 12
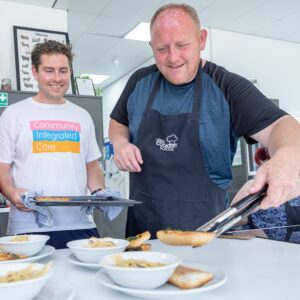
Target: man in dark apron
176 124
161 186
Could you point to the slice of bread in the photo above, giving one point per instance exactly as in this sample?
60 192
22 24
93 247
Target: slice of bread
138 240
189 278
184 238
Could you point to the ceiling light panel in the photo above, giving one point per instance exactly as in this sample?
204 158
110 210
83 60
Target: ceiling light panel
141 32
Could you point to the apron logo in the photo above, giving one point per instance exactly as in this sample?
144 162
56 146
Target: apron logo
170 145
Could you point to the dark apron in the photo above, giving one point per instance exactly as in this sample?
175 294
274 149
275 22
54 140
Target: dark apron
173 185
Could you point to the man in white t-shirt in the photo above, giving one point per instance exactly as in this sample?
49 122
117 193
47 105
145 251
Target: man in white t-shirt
48 143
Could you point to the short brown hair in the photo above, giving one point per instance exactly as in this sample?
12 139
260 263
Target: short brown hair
191 11
50 47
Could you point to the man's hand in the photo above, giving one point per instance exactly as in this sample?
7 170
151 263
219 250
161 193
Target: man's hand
281 172
15 200
128 157
282 177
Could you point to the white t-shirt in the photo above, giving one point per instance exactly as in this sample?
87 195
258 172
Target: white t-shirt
48 146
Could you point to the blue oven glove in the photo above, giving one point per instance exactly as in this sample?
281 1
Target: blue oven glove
110 212
43 216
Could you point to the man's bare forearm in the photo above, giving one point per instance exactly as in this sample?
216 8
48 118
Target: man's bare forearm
286 136
283 134
95 177
118 133
6 184
8 189
281 171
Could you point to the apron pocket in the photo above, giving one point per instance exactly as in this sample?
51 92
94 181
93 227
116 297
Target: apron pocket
161 213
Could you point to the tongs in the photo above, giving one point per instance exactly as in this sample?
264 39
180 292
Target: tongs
232 215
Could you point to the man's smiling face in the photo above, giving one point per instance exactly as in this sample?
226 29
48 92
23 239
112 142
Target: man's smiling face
53 77
176 42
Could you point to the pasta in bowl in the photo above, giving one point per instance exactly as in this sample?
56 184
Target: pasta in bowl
140 270
92 249
23 281
27 245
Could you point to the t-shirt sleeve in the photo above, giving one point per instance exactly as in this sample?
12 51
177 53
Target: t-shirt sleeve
93 152
7 137
251 111
120 112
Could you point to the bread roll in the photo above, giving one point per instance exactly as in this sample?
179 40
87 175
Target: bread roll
189 278
184 238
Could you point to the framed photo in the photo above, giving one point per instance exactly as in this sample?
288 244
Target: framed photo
25 39
85 86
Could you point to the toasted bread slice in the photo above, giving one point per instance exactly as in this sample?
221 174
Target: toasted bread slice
184 238
10 256
189 278
143 247
138 240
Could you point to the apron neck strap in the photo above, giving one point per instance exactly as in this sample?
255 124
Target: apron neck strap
154 91
197 90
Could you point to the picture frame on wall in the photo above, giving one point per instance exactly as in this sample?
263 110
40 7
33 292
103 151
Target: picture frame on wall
85 86
25 39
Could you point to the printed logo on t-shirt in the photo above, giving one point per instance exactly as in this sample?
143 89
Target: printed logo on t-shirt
55 136
172 142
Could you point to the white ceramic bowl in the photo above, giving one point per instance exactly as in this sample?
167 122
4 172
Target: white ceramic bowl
141 278
29 248
23 289
93 255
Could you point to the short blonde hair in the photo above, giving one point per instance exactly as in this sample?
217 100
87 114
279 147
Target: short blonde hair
191 11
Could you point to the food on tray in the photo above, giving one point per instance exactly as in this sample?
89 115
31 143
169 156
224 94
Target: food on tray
184 238
53 198
28 273
94 242
10 256
134 263
189 278
137 243
20 238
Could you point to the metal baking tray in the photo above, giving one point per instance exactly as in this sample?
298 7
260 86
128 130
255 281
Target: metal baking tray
83 201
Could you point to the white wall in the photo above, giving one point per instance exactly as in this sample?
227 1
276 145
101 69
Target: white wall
25 16
274 64
112 93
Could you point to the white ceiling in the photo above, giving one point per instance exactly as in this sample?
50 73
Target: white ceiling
96 27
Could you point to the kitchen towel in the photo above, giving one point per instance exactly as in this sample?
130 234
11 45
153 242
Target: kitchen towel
43 216
110 212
